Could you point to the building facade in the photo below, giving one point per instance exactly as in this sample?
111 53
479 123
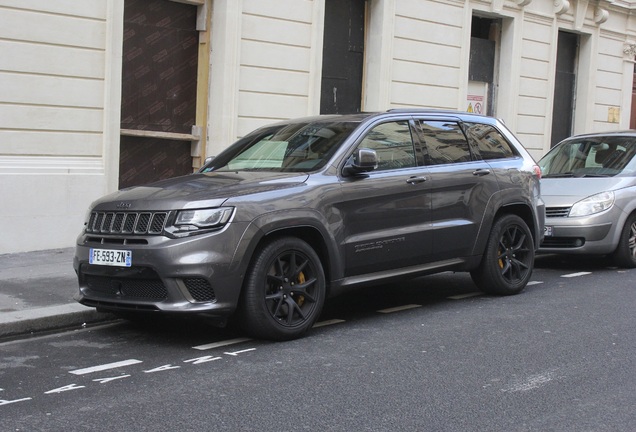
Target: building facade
102 94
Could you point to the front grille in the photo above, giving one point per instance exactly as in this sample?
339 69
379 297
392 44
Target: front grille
126 288
199 289
557 211
126 223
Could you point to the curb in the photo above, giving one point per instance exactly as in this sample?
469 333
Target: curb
30 321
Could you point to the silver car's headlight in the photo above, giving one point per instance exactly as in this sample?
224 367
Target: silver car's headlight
593 204
202 219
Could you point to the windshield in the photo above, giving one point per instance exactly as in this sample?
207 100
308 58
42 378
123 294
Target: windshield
296 147
607 156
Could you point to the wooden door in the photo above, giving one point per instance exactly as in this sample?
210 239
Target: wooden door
159 90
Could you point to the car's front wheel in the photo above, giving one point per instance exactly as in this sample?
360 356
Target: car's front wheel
508 260
625 254
284 290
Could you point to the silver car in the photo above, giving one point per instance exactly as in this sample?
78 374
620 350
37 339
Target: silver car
589 188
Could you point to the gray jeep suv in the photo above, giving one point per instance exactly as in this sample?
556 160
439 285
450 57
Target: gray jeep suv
303 209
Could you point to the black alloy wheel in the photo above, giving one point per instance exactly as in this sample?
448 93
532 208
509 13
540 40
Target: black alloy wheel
508 260
284 290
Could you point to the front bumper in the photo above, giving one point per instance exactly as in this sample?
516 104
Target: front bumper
195 274
588 235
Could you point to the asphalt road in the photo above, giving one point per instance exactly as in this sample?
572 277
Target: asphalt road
428 355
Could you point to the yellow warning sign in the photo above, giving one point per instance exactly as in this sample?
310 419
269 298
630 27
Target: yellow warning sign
475 104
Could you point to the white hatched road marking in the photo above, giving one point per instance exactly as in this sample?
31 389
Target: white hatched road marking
105 367
399 308
571 275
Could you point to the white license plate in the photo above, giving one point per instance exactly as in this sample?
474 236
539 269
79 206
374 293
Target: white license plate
548 231
118 258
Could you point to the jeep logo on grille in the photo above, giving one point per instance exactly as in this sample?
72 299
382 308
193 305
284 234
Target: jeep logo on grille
123 205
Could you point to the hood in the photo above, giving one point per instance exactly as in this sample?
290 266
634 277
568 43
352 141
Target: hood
562 192
197 190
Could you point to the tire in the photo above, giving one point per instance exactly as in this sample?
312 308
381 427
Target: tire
508 260
284 291
625 253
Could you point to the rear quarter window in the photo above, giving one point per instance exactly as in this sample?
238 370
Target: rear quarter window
490 143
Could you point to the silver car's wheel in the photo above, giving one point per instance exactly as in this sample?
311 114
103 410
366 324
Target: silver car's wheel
508 260
284 290
625 254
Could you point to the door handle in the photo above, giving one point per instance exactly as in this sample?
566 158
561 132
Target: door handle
481 172
416 180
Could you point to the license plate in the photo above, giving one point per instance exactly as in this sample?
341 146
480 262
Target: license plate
548 231
117 258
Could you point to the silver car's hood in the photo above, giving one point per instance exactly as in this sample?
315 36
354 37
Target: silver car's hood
197 190
562 192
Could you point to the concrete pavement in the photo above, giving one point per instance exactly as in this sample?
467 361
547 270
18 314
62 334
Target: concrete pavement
36 294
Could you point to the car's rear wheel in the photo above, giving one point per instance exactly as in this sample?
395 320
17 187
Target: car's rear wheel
625 254
508 260
284 290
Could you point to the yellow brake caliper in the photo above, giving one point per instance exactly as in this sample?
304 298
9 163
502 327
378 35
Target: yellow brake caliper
300 299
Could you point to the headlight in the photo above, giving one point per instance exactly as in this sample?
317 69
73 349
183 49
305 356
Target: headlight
193 220
593 204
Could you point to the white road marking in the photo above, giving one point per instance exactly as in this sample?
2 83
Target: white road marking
235 353
203 359
532 382
7 402
463 296
162 368
221 344
399 308
105 367
571 275
105 380
328 322
535 282
65 389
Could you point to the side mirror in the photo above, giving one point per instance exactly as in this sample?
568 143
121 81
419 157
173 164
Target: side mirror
362 161
207 161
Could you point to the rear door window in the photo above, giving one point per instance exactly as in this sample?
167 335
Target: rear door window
444 141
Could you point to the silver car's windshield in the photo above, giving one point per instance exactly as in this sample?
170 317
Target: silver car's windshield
296 147
607 156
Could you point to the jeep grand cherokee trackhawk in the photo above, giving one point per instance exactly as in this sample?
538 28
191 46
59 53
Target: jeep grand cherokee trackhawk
302 209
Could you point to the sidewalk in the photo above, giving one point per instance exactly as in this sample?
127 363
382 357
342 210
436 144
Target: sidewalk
36 294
